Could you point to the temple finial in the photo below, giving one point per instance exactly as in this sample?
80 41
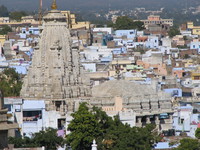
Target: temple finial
54 5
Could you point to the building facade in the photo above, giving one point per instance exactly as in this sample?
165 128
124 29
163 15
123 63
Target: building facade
152 19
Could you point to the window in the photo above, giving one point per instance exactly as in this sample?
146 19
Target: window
182 121
175 93
61 124
58 104
196 78
32 115
198 94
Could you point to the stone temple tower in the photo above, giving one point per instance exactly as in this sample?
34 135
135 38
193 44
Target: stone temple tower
55 72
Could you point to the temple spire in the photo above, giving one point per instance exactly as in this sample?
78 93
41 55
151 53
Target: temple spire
54 5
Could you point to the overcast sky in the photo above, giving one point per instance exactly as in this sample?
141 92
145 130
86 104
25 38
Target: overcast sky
97 4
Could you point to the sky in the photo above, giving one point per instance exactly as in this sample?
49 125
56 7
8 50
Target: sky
33 5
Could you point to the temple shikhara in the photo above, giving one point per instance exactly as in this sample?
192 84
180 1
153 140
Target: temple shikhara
55 73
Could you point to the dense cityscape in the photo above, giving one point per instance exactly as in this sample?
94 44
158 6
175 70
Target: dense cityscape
121 80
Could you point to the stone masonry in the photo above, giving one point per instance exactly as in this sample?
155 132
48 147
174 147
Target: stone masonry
55 73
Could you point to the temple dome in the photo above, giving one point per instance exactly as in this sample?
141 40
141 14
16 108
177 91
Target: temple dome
54 15
125 88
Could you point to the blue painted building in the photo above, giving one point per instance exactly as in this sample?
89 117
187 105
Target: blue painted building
175 92
31 30
130 34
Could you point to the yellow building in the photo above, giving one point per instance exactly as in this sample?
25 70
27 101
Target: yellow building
83 24
17 26
4 19
2 39
29 19
190 25
188 62
195 75
119 64
195 29
71 21
70 18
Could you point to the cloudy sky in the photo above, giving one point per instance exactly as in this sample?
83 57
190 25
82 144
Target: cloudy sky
97 4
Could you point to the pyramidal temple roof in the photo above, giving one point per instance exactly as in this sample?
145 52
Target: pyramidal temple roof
56 72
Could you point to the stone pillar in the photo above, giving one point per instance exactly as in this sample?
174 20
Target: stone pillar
148 120
170 118
139 122
157 121
62 111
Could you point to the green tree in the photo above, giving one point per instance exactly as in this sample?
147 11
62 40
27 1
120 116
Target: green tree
5 29
20 142
186 56
110 133
197 133
84 128
10 82
124 137
124 22
185 38
110 24
3 11
48 139
139 25
189 144
17 15
173 31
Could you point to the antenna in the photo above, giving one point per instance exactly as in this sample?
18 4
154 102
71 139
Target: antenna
109 6
186 6
40 13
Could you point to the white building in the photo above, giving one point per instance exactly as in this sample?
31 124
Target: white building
152 42
184 120
95 53
32 116
108 30
195 45
166 42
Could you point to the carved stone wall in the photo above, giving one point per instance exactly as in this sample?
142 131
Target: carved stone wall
55 72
